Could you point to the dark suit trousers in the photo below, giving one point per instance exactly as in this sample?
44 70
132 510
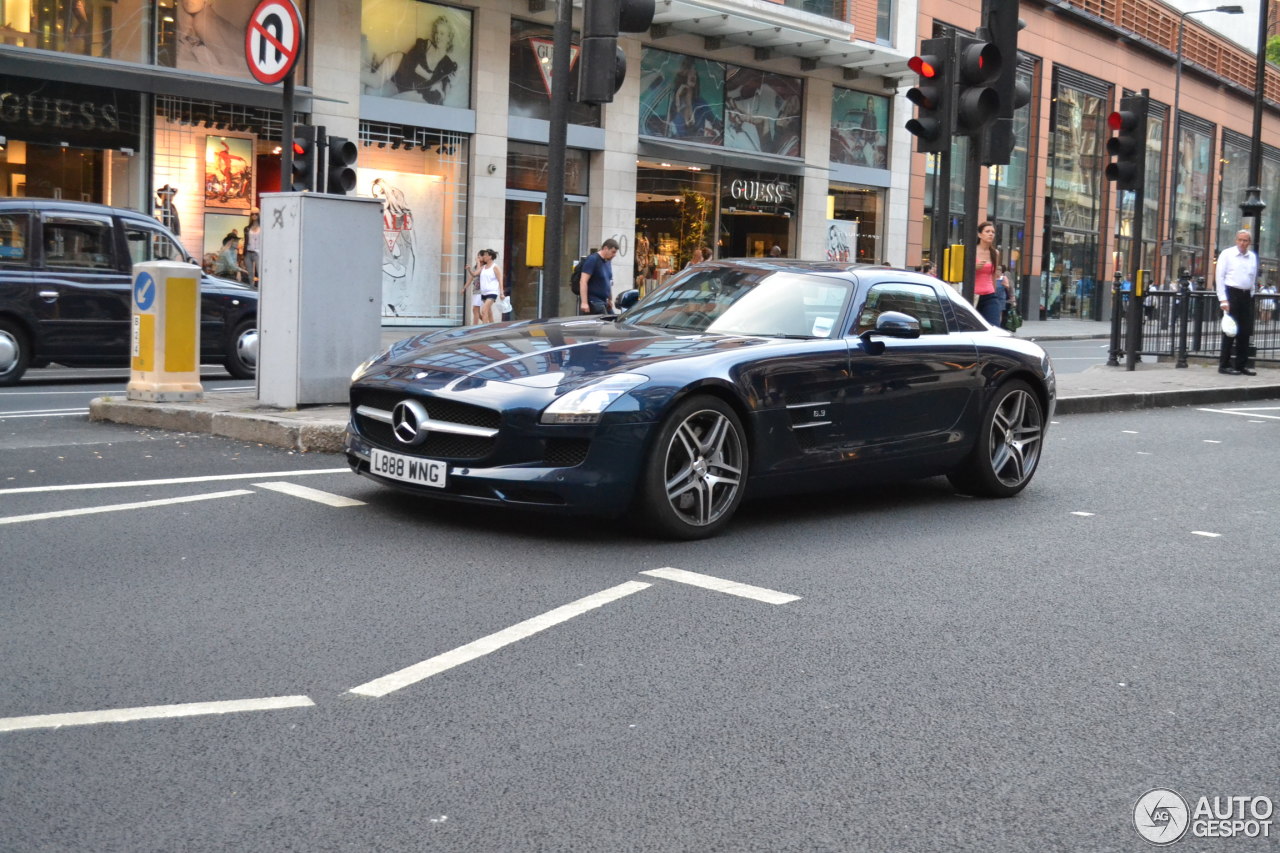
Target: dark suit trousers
1241 305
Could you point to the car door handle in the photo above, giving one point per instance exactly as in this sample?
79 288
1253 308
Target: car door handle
49 295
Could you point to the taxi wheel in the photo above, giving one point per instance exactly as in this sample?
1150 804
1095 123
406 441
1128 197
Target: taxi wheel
242 355
15 352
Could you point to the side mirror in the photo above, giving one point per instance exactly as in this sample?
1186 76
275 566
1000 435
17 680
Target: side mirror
626 300
894 324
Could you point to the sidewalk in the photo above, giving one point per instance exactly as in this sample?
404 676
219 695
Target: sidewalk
320 429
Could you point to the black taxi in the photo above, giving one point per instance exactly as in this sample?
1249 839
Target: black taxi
66 286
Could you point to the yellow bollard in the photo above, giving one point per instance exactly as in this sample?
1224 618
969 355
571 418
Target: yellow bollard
166 332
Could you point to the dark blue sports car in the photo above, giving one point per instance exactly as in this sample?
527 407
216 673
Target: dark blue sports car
738 378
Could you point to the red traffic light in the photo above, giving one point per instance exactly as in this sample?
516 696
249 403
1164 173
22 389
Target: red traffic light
924 66
298 149
1115 121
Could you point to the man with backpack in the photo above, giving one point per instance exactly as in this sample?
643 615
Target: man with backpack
595 279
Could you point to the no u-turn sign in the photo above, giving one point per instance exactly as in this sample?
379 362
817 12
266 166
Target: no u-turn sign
273 40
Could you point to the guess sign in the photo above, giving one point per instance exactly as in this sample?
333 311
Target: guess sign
758 193
84 116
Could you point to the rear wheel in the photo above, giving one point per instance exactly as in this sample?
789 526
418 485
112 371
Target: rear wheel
1007 452
15 352
696 472
242 357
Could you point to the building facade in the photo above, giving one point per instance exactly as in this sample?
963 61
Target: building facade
747 126
1061 226
742 126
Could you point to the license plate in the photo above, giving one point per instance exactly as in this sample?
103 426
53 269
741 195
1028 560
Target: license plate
408 469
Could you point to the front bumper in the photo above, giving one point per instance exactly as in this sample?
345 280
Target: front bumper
604 483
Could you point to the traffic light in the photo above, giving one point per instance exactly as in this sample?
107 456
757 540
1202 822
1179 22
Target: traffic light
978 64
602 65
1129 145
303 178
932 126
341 171
1003 25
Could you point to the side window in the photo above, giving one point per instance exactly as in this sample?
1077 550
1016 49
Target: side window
914 300
15 229
966 315
146 244
78 243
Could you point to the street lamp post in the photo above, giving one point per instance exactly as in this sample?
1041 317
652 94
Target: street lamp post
1253 205
1173 148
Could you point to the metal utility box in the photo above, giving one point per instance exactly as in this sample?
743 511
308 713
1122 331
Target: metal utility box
321 285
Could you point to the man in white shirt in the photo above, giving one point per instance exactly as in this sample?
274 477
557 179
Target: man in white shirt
1236 276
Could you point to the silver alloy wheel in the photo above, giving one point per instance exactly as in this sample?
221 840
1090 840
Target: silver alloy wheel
704 467
10 351
1016 432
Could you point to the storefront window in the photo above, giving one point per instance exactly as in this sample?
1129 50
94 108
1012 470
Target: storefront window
1076 160
1269 240
532 49
756 213
859 129
1194 153
1231 190
112 29
200 35
684 97
416 51
527 168
423 189
675 214
859 219
681 97
69 141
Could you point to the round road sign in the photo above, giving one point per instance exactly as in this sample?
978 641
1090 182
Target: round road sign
273 40
144 291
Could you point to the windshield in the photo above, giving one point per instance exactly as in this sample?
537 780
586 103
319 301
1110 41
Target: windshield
733 301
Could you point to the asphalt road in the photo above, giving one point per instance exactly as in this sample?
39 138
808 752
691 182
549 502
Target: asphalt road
955 674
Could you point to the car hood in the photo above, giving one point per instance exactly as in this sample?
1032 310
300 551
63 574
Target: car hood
544 353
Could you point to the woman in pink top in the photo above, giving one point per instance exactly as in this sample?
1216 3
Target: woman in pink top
986 260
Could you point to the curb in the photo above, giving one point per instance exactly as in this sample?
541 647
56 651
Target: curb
1126 401
292 430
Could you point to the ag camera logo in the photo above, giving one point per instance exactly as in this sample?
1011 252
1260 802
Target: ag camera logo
1161 816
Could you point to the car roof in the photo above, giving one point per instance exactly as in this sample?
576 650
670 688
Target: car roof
67 206
863 272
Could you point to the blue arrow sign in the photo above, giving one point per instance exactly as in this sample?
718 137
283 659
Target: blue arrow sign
144 291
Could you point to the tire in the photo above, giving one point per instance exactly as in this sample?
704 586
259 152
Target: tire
242 351
15 352
1007 452
695 475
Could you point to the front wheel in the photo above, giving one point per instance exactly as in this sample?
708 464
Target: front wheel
242 355
695 475
15 352
1007 452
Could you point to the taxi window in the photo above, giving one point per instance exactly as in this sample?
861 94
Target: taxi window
148 244
14 228
915 300
78 243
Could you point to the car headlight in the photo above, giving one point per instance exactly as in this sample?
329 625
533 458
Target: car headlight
368 363
585 405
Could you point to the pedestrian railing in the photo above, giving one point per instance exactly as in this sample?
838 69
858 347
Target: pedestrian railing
1186 323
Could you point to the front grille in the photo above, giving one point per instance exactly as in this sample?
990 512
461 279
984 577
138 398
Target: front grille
439 409
439 444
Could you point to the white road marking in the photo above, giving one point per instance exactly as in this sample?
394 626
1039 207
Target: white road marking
326 498
1212 441
1206 533
1255 412
170 482
483 646
1129 431
93 510
42 413
153 712
1144 452
1082 514
759 593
